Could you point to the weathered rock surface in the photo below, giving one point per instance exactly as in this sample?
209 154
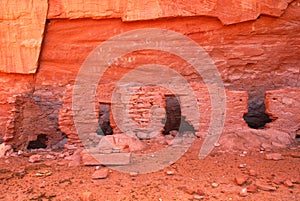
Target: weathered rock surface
229 11
22 45
35 158
283 107
100 174
22 26
274 156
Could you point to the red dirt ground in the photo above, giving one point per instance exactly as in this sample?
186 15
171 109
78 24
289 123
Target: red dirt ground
191 179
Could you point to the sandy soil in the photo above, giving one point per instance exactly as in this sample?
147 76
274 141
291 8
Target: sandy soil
213 178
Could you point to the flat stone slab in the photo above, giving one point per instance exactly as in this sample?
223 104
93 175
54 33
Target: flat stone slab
113 158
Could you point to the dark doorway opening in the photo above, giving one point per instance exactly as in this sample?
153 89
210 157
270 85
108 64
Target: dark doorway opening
298 135
173 114
104 127
40 142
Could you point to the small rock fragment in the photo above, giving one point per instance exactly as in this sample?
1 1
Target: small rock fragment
243 165
265 187
200 192
44 173
277 181
75 160
170 172
274 156
198 197
100 174
35 158
243 154
5 150
217 144
133 174
189 191
252 172
61 155
240 180
243 192
288 183
61 163
20 152
50 156
295 155
87 196
214 185
252 188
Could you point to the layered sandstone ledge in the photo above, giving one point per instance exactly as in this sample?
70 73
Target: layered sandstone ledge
254 45
22 23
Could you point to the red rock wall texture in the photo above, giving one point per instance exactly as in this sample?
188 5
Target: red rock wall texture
254 44
22 26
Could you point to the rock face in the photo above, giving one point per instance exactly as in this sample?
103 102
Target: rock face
228 12
253 44
22 26
282 107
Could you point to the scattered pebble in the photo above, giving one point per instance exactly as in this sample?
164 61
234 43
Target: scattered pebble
252 172
200 192
170 172
295 155
43 184
133 174
100 174
217 145
198 197
189 191
252 188
243 165
243 154
265 187
61 155
35 158
51 157
44 173
243 192
20 152
288 183
214 185
5 150
273 156
87 196
61 163
240 180
277 181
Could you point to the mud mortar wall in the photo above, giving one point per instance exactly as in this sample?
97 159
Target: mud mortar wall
254 44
